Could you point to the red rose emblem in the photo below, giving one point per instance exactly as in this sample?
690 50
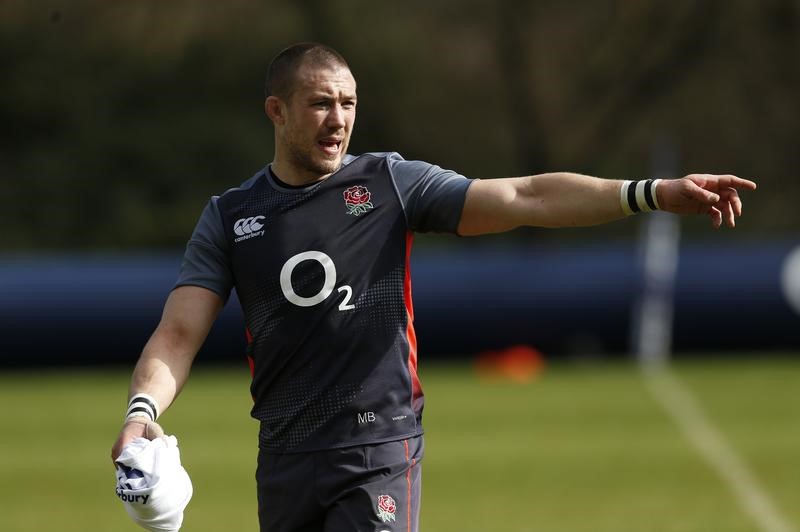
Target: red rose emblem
386 508
356 195
357 199
386 504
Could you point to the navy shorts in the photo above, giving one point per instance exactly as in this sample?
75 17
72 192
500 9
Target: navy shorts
372 488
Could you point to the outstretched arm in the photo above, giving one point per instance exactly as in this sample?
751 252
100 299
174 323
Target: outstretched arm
569 200
165 362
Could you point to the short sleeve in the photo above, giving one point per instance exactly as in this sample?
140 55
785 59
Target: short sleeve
432 197
205 261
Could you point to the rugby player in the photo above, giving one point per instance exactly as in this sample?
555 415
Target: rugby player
317 246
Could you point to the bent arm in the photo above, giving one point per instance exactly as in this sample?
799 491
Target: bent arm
564 199
166 360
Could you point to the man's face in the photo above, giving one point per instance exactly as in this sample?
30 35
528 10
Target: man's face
319 120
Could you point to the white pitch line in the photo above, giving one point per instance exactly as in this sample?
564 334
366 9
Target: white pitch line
677 400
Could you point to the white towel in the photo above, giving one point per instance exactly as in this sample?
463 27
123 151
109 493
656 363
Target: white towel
152 484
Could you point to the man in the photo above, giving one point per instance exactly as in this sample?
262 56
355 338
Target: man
317 245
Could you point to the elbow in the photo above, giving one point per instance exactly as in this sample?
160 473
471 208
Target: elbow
536 210
545 205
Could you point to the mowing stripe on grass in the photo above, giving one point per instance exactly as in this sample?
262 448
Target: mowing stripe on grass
677 400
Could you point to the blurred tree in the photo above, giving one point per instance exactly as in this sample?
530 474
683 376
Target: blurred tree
121 119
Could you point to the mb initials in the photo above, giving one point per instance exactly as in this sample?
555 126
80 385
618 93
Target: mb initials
366 417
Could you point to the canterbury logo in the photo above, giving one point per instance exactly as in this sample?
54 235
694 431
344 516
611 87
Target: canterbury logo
245 226
248 228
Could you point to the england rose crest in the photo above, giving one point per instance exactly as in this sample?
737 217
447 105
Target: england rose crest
386 508
357 200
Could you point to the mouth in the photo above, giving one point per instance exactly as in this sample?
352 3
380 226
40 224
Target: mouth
330 146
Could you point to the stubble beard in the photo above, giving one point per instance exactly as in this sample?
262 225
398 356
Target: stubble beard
305 159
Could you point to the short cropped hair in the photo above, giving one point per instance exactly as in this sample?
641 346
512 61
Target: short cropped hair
281 77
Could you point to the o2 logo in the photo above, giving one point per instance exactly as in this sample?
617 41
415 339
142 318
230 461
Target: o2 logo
327 287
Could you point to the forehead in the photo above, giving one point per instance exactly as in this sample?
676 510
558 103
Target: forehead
326 79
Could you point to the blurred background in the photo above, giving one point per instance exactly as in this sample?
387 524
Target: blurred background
120 120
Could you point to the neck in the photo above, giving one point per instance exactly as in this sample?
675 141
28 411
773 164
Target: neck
296 177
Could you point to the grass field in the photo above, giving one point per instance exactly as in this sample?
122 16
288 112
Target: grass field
585 447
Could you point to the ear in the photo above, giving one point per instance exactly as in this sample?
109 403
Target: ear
275 110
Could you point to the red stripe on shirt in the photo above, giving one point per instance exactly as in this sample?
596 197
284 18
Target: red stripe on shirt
411 336
250 361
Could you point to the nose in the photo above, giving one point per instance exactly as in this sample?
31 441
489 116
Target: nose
335 118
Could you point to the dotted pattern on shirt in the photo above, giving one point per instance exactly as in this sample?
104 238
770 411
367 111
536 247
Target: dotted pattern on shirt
268 302
383 303
272 203
298 409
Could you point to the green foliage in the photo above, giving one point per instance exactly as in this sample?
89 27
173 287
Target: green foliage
583 448
121 119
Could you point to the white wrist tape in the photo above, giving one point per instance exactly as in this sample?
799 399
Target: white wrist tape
142 404
639 196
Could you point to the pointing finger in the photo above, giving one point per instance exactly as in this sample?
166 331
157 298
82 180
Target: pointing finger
731 181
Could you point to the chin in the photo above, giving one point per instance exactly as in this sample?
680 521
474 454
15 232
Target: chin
328 166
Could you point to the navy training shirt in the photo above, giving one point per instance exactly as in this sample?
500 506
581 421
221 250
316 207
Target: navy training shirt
322 274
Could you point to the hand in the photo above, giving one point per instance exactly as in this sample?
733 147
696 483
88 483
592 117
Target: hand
130 430
715 195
